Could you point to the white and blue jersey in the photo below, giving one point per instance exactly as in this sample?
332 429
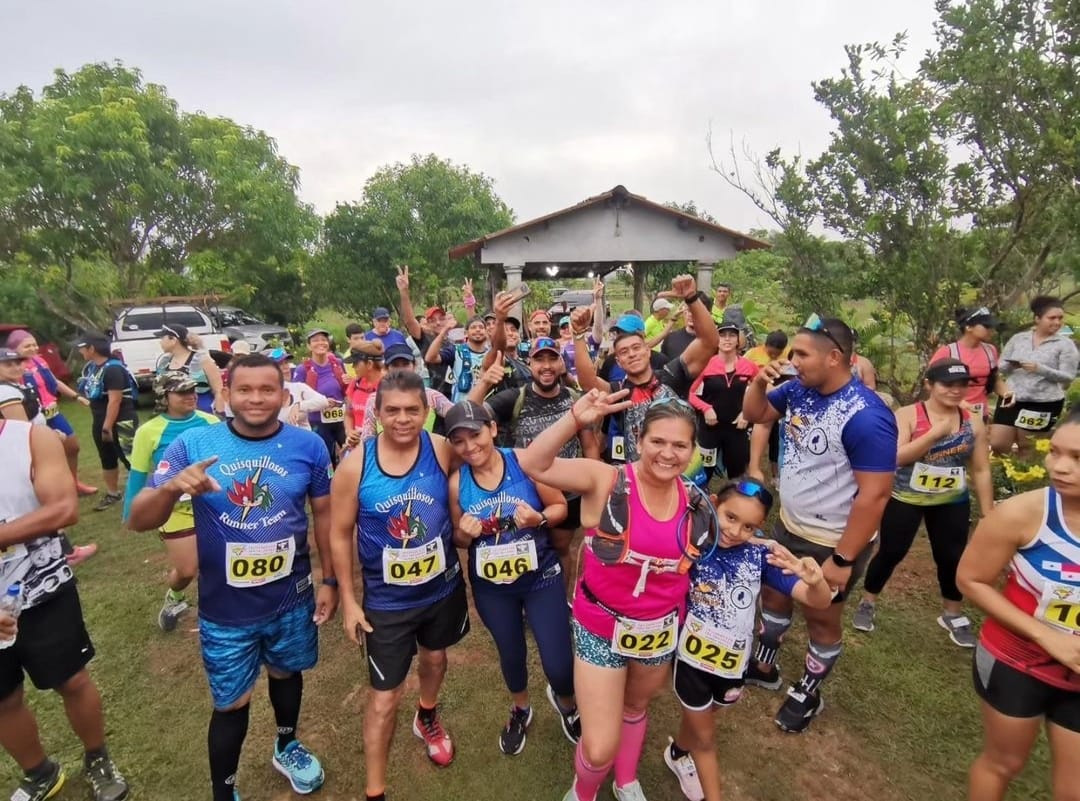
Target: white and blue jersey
824 438
254 559
404 534
504 554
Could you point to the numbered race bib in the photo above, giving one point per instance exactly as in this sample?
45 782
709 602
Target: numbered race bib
618 449
335 414
708 457
935 480
645 639
505 564
1060 607
978 410
51 411
1032 421
408 567
712 649
252 564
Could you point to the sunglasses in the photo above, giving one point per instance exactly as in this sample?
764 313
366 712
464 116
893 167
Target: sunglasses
544 342
752 489
816 325
671 400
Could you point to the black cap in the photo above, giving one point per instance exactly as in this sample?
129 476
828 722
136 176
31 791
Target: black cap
980 316
174 330
467 415
398 352
95 341
728 325
947 371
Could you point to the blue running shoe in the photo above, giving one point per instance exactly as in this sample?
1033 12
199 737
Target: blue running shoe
300 767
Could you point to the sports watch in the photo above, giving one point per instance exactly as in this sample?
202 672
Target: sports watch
840 561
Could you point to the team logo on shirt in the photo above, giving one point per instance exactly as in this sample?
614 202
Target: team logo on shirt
497 523
406 527
250 493
162 468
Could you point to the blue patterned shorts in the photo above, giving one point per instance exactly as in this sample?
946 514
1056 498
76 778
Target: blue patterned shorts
597 651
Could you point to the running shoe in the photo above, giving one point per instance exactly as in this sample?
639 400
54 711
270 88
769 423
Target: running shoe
629 792
171 610
959 628
571 795
39 790
107 500
512 737
80 553
85 490
685 771
105 780
769 678
798 709
440 749
299 766
863 619
571 721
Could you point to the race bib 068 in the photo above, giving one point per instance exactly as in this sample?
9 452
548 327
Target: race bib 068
335 414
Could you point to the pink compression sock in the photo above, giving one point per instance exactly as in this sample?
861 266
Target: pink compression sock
589 777
631 742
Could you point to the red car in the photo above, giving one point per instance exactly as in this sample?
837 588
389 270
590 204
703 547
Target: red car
46 349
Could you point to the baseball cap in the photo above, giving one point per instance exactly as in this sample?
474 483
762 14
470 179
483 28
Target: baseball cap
95 341
314 332
174 330
514 321
433 310
728 325
174 381
7 355
948 371
468 415
564 321
660 304
980 316
241 347
278 355
380 313
544 343
488 316
539 313
397 353
630 324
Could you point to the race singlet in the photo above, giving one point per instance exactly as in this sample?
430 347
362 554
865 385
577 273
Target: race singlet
408 567
505 564
933 480
711 649
1032 421
252 564
645 639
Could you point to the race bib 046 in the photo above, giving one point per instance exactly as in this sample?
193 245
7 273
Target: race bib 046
645 639
708 648
408 567
505 564
252 564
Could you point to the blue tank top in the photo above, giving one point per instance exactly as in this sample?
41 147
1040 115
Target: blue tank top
254 560
938 477
495 509
405 512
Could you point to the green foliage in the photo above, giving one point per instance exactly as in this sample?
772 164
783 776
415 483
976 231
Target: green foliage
410 214
105 170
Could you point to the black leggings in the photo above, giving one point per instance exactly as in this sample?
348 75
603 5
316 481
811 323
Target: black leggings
947 528
733 450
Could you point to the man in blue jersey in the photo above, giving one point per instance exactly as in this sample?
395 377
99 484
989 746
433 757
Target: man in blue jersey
391 508
837 462
250 482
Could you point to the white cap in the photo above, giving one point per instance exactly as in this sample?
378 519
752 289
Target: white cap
660 304
241 347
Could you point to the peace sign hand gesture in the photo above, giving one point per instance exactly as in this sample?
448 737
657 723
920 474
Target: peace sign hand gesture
594 405
805 569
193 479
402 278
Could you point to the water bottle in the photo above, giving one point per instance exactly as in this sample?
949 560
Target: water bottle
11 602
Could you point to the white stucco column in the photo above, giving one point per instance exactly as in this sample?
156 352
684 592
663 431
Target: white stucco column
513 281
704 276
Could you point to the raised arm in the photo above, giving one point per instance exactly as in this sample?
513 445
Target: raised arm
706 335
756 407
408 314
434 351
586 370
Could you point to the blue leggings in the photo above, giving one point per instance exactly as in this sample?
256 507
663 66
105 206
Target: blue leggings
548 617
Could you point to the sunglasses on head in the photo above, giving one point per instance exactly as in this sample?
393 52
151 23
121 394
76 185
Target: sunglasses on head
816 325
544 342
753 489
671 399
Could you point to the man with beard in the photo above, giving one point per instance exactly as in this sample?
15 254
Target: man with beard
632 354
465 360
249 483
391 508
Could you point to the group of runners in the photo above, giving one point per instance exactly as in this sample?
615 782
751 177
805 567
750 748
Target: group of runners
515 441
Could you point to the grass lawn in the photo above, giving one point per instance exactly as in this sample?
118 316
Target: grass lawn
901 721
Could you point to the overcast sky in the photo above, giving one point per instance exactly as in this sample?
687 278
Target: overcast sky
555 100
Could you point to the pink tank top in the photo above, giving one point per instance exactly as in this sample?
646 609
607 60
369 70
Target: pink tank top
47 398
665 589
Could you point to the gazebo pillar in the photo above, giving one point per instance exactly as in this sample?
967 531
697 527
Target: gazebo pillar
513 281
704 276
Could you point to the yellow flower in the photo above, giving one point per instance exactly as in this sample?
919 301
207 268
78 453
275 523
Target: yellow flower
1042 445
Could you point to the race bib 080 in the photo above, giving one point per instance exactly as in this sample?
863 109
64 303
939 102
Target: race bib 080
252 564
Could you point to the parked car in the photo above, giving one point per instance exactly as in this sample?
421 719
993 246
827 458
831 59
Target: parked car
135 341
568 301
237 324
46 349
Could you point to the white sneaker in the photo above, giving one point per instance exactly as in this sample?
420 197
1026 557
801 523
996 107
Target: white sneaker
630 792
685 771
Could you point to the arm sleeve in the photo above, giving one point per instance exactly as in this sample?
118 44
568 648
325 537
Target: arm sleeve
312 401
441 403
368 429
870 440
51 383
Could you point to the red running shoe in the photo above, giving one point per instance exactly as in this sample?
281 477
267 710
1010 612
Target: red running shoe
440 749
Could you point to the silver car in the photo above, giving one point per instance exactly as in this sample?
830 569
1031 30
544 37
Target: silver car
237 324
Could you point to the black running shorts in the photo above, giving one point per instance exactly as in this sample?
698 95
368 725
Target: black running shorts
52 645
700 691
393 642
1018 695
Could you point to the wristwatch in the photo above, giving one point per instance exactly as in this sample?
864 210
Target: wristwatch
330 582
543 521
840 561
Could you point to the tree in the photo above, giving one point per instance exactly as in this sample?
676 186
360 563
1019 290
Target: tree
411 213
105 169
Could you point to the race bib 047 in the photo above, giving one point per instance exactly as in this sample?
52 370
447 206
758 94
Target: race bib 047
408 567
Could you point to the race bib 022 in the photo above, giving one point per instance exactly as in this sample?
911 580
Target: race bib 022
645 639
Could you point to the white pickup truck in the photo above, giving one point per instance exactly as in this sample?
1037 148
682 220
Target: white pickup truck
135 340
